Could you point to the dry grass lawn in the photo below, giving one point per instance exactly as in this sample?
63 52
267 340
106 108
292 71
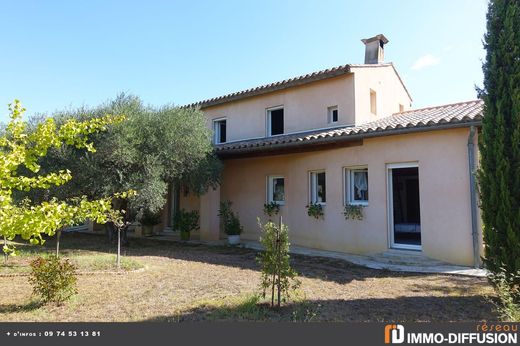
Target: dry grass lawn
182 282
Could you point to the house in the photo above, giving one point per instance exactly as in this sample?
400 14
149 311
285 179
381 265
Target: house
347 136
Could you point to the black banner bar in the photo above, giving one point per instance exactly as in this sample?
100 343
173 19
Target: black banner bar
258 333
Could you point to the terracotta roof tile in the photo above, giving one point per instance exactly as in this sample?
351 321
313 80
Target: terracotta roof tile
263 89
284 84
424 119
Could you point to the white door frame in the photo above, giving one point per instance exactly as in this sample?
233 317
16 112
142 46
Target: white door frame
390 205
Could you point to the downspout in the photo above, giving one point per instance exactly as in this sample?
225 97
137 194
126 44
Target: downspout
473 196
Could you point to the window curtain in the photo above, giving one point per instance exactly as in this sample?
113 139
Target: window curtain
361 183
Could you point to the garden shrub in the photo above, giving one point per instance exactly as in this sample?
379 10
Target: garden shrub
229 220
53 280
508 293
186 221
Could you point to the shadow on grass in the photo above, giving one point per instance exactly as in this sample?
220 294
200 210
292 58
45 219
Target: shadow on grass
11 308
472 308
313 267
327 269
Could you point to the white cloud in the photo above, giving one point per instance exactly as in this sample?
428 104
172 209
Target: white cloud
425 61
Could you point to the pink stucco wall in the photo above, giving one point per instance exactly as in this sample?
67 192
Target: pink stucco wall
305 107
443 183
390 93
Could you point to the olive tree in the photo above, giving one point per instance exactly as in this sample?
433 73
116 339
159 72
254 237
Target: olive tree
153 148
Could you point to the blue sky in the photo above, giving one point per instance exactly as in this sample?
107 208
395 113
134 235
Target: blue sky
60 54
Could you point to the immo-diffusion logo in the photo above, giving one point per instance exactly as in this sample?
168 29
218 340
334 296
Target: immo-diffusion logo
483 334
394 333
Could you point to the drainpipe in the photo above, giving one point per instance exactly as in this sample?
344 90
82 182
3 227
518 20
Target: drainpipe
473 196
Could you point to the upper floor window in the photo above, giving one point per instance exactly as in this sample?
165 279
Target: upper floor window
275 121
332 114
317 186
373 102
401 108
276 189
356 183
219 128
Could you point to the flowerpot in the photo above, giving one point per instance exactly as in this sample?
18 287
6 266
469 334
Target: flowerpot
234 239
147 229
185 235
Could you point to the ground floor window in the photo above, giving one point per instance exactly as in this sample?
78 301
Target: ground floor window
356 186
276 189
317 187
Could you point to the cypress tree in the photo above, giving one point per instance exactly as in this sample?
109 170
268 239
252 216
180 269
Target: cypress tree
499 176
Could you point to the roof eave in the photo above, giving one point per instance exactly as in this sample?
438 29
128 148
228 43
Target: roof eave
273 148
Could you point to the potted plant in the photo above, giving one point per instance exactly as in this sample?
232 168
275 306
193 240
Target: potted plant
315 210
185 222
353 212
233 229
230 222
271 209
148 220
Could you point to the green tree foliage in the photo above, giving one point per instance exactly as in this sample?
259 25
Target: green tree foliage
153 147
278 277
500 141
21 151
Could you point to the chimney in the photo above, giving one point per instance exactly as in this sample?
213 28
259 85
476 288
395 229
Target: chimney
374 49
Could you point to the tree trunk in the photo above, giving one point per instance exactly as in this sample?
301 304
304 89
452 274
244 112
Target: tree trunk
275 266
278 250
6 255
272 288
58 236
118 260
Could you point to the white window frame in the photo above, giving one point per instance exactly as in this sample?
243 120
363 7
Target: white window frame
313 186
216 130
268 120
329 114
270 189
348 173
